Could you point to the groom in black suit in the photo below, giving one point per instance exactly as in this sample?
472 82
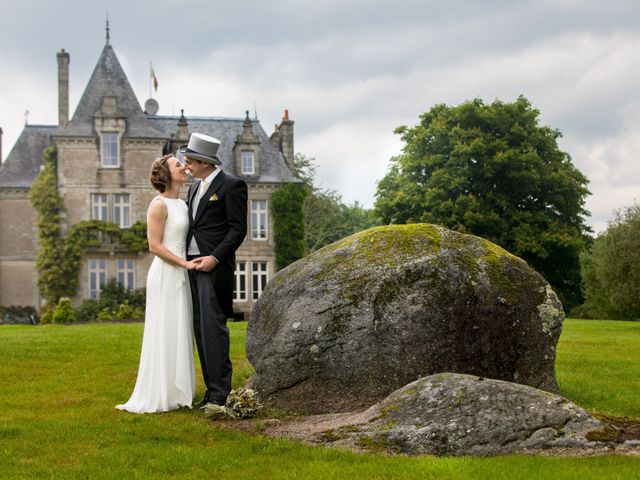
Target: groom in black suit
217 227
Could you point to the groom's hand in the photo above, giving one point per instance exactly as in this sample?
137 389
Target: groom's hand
206 264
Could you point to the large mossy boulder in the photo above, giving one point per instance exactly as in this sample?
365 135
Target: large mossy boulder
345 326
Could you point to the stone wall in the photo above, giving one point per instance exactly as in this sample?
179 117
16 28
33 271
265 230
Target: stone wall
18 283
257 250
142 263
18 249
80 173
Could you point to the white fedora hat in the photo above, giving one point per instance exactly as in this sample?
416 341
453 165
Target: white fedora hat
202 147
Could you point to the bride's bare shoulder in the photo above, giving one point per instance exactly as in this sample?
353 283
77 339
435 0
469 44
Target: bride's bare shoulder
157 207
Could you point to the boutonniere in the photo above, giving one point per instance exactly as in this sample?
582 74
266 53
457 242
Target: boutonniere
213 198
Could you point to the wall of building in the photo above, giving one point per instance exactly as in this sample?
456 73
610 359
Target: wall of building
80 173
18 249
18 283
257 250
142 263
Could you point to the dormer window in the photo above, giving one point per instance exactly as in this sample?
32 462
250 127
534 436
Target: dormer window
110 151
248 162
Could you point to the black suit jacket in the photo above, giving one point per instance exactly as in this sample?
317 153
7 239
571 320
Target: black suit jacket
219 227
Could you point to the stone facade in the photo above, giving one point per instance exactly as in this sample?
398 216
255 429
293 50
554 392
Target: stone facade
18 248
104 155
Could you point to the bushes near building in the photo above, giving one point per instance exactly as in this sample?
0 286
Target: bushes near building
18 315
115 303
63 312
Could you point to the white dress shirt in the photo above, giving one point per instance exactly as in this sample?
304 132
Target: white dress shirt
193 246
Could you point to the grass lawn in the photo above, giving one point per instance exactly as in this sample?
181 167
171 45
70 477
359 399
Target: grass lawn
59 386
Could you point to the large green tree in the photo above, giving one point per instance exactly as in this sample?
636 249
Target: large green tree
492 170
611 268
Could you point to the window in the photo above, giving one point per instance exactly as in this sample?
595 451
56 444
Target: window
247 162
258 219
110 151
122 210
100 206
125 273
240 293
259 278
97 276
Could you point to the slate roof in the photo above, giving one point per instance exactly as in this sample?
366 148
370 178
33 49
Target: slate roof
273 168
108 78
23 164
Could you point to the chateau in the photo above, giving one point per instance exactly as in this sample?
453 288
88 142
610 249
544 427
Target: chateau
104 153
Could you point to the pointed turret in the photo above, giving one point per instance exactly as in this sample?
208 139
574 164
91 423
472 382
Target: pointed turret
109 92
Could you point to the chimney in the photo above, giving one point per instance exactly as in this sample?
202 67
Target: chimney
286 139
274 139
63 88
0 145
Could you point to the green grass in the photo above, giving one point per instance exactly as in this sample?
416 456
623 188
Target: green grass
598 365
59 386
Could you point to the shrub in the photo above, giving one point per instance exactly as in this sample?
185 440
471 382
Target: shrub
129 312
24 315
115 303
106 315
88 310
46 313
63 313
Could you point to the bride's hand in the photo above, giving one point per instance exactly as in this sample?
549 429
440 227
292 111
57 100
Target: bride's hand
190 265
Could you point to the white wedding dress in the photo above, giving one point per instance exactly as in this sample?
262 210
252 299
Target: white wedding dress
166 376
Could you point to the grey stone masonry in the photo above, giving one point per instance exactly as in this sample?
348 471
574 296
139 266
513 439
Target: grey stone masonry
63 87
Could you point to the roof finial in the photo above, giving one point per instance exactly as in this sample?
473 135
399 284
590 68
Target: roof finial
107 28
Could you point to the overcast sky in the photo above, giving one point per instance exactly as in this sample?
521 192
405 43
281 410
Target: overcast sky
350 72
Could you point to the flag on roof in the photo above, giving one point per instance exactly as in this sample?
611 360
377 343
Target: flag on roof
153 77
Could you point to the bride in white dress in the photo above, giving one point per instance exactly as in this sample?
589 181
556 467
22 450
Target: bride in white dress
166 376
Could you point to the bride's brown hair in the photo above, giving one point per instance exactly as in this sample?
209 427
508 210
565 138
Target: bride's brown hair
160 176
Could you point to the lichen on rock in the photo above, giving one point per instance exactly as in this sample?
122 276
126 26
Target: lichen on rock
457 414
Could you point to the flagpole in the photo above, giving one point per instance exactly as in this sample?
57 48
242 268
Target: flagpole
150 79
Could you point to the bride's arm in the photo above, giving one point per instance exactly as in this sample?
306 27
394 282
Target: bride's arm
156 219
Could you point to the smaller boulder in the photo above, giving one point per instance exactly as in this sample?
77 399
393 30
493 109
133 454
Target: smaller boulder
459 414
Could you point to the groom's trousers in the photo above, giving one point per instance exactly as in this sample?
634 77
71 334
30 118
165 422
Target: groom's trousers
212 336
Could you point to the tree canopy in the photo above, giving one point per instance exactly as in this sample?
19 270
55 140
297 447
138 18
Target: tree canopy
611 269
493 171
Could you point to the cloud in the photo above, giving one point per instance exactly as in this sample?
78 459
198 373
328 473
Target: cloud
356 155
350 72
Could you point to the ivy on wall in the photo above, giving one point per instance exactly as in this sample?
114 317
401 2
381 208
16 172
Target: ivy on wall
48 205
92 234
58 260
287 205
